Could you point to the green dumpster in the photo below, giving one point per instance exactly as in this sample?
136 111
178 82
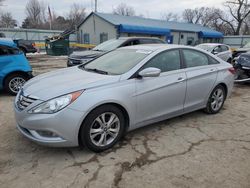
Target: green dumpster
59 44
57 47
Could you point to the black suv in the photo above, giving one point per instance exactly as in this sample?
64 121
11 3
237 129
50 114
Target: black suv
25 45
80 57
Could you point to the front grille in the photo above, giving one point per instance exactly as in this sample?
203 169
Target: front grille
24 101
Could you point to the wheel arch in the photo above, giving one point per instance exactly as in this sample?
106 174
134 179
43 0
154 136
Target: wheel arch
14 72
224 86
122 108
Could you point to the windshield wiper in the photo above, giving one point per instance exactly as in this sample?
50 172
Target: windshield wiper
96 70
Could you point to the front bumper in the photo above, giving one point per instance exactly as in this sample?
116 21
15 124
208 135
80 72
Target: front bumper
63 127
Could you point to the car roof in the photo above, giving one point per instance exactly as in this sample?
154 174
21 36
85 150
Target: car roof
154 47
7 42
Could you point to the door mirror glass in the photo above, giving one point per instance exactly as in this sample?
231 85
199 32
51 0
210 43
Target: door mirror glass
150 72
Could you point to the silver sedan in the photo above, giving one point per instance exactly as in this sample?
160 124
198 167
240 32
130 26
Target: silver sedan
95 104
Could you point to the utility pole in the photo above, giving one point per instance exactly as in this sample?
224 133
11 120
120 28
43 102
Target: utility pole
95 5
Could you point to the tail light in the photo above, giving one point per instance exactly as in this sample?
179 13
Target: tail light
232 70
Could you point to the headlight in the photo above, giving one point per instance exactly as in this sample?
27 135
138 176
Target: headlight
56 104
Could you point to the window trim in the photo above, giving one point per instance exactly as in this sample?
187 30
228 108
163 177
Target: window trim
136 74
208 57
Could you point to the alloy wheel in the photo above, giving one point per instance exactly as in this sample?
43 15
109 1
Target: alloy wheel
105 129
217 99
16 84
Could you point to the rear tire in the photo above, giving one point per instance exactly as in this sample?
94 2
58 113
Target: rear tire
216 100
102 128
14 82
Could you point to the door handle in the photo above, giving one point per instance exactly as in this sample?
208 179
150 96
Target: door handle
180 79
212 70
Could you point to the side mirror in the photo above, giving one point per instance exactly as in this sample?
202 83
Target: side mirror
214 52
150 72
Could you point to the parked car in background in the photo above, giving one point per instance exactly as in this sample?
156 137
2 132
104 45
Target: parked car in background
2 35
221 50
25 45
14 67
77 58
242 67
244 49
97 103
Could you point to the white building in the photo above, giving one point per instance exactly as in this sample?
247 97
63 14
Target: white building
99 27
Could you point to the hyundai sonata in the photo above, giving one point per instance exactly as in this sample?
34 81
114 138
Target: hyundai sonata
96 103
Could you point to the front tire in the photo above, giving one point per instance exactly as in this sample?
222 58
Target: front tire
216 100
14 82
102 128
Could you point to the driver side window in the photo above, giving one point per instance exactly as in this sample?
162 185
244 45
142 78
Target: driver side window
217 49
166 61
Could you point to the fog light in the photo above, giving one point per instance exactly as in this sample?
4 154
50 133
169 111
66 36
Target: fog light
47 134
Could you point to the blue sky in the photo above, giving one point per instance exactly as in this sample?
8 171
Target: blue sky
149 8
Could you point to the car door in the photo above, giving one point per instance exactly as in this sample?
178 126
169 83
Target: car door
163 96
226 53
5 60
221 52
201 73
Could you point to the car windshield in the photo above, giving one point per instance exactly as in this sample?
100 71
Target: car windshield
206 47
117 62
109 45
247 45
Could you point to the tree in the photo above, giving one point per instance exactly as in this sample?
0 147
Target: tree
35 12
239 11
193 15
7 20
170 16
124 10
77 14
26 23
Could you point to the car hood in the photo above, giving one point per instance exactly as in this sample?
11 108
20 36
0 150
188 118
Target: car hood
63 81
86 54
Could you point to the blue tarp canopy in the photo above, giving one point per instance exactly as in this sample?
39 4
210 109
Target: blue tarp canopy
143 30
210 34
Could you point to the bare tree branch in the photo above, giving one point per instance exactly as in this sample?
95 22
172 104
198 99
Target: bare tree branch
125 10
7 20
170 16
239 10
77 14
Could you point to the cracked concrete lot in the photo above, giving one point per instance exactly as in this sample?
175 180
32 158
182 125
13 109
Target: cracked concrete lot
194 150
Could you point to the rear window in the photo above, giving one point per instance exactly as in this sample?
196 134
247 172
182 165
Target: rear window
151 41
